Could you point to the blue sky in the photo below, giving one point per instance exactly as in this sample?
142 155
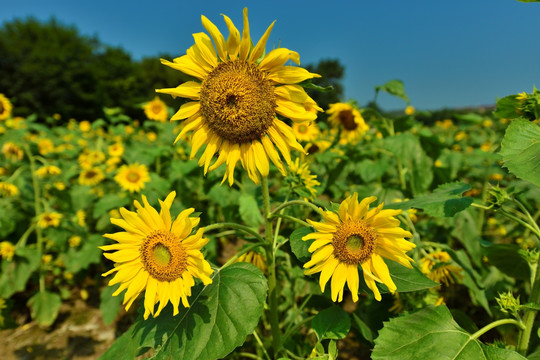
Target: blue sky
449 54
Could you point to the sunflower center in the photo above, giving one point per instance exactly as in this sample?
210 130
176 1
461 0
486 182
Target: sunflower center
163 256
354 242
346 118
156 109
1 107
237 101
302 129
133 177
90 174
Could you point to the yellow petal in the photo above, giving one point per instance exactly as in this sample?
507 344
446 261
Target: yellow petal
380 269
261 160
204 46
233 41
187 110
320 255
219 41
277 58
353 280
289 136
273 154
200 137
189 89
327 271
192 124
234 156
223 155
338 281
245 43
294 111
186 65
259 48
150 297
290 75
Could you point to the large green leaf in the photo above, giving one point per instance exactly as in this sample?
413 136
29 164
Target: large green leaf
520 150
44 307
394 87
109 304
331 323
16 273
466 231
507 259
76 259
445 201
432 333
220 318
249 210
300 247
408 280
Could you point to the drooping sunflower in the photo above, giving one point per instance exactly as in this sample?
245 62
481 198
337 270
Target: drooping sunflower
357 236
5 107
156 110
301 171
235 102
439 267
91 176
346 116
132 177
157 256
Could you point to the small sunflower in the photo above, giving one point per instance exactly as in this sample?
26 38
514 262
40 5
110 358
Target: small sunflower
255 258
45 146
439 268
48 170
238 94
157 256
5 107
410 110
116 149
357 236
7 250
156 110
91 176
306 131
304 175
48 219
132 177
349 119
12 152
89 158
7 189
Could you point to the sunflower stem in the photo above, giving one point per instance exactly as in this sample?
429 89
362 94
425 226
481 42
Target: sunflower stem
235 226
528 318
271 261
292 218
494 324
37 210
295 202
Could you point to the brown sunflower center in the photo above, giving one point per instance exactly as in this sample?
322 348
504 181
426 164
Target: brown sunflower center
237 101
302 129
163 256
133 176
354 242
346 118
1 107
156 108
91 174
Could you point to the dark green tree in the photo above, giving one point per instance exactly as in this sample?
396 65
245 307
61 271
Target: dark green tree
332 72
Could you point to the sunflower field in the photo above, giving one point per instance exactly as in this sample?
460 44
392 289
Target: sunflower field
252 223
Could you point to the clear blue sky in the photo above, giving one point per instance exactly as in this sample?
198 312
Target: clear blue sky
448 53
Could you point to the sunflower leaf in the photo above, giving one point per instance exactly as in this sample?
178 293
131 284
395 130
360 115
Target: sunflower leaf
445 201
394 87
300 247
16 273
331 323
249 210
520 150
429 331
307 84
219 319
44 307
408 280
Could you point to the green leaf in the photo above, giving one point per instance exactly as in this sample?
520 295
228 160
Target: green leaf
506 107
520 150
371 170
531 306
331 323
445 201
44 307
81 197
300 247
528 1
363 328
507 259
109 304
466 231
76 259
16 273
249 210
219 319
307 84
408 280
109 202
430 331
394 87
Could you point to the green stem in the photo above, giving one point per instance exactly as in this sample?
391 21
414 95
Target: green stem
22 241
258 339
297 312
528 318
288 217
37 210
516 219
532 222
235 226
295 202
494 324
271 262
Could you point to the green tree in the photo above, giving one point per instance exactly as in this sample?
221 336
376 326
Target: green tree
332 72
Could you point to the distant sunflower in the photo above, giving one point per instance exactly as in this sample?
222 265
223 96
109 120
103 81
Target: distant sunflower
132 177
439 267
306 131
239 92
48 219
7 189
304 175
357 236
12 152
48 170
157 256
7 250
346 116
116 149
91 176
156 110
5 107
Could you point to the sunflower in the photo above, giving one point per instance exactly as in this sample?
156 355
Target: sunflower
132 177
300 170
7 249
88 158
48 170
235 101
156 110
438 267
157 256
349 119
357 236
116 149
12 152
91 176
5 107
306 132
7 189
48 219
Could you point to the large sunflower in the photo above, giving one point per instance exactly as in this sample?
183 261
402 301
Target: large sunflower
346 116
157 255
357 236
239 91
